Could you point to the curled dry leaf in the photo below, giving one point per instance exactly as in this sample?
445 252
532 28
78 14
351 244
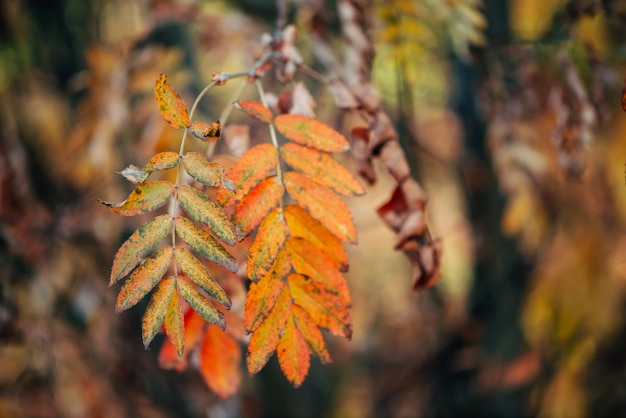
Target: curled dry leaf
205 132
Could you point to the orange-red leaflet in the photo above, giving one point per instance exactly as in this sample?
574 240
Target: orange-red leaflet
264 340
172 107
294 355
203 243
312 262
145 198
311 333
201 209
157 309
311 132
255 110
327 309
269 239
141 243
263 294
195 270
322 167
144 278
199 302
174 324
254 165
302 225
322 204
205 132
219 362
194 326
258 204
204 171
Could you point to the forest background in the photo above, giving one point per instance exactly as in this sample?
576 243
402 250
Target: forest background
509 114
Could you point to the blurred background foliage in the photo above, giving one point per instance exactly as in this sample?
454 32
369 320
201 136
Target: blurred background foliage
509 114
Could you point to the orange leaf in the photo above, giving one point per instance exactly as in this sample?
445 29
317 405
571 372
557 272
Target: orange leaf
322 167
255 110
205 132
264 340
171 105
311 132
322 204
143 280
311 333
201 209
194 326
219 362
263 294
195 270
309 260
141 243
203 243
252 168
175 325
294 355
161 161
302 225
327 309
145 198
157 309
200 303
258 203
204 171
269 239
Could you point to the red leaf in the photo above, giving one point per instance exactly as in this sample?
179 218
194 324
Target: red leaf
311 132
219 362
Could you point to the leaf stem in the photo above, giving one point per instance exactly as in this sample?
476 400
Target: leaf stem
224 117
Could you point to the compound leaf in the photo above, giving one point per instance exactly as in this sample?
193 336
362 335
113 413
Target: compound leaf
258 203
311 132
302 225
203 243
205 172
141 243
269 239
201 209
143 279
327 309
219 362
145 198
254 165
255 110
294 355
322 167
195 270
311 333
157 309
264 340
199 303
172 107
322 204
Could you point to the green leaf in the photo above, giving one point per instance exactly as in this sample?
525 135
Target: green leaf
145 198
143 279
199 303
200 208
141 243
157 309
206 172
203 243
171 105
197 272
